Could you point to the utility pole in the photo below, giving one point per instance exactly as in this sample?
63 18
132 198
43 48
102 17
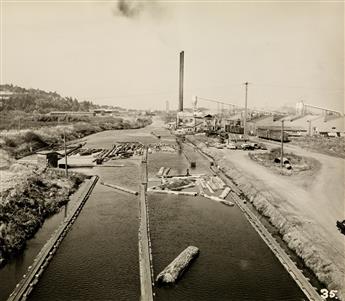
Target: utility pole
245 111
64 142
282 145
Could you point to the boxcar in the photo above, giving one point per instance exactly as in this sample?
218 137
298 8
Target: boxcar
272 134
235 129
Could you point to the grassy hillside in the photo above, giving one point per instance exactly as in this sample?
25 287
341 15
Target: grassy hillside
39 101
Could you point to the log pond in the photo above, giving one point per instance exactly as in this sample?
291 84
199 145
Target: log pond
98 259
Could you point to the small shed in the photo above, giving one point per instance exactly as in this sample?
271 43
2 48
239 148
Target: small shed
49 158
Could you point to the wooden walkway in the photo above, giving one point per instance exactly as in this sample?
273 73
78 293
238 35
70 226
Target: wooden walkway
145 256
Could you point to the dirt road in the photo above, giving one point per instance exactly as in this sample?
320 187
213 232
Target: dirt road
313 201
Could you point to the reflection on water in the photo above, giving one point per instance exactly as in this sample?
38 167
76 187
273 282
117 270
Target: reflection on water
234 262
98 259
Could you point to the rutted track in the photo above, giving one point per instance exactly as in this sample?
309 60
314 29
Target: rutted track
26 285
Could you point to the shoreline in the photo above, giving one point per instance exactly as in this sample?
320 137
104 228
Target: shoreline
299 242
40 194
31 278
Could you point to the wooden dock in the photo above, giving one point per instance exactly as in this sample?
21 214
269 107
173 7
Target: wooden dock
145 255
30 279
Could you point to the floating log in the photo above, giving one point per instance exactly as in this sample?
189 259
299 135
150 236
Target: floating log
217 199
227 203
177 267
114 165
120 188
201 190
160 172
166 171
80 165
185 176
173 192
209 188
202 182
225 193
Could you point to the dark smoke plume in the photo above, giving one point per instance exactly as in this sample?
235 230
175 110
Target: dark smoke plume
129 8
135 8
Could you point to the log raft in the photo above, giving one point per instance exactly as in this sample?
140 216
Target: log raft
177 267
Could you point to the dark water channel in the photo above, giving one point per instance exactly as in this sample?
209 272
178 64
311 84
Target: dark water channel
98 259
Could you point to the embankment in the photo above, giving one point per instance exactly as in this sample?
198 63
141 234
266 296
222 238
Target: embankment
23 207
300 241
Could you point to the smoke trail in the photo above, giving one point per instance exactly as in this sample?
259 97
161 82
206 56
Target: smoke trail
135 8
129 9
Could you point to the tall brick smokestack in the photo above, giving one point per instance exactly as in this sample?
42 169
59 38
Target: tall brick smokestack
180 107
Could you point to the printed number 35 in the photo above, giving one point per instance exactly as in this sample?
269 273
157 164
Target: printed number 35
325 293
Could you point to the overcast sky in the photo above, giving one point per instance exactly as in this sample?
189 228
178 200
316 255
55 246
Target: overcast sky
127 54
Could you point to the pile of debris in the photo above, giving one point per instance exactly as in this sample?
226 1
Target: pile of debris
118 151
121 150
162 147
175 184
211 183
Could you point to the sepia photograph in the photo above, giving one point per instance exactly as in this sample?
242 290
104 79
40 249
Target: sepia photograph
172 150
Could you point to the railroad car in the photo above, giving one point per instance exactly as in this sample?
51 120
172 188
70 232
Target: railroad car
235 129
272 134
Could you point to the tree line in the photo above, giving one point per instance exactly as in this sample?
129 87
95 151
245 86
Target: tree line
39 101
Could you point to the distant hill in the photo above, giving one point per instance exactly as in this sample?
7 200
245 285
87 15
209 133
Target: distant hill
36 100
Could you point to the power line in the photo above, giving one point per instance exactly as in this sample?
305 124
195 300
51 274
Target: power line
299 87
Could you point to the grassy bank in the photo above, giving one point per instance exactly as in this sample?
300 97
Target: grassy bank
332 146
37 194
298 163
21 143
305 238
